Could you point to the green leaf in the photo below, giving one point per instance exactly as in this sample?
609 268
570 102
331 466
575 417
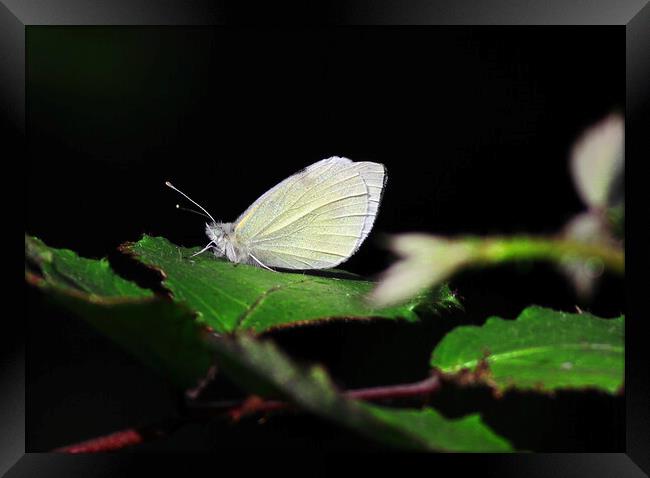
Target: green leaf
260 367
65 270
542 349
466 434
159 332
230 297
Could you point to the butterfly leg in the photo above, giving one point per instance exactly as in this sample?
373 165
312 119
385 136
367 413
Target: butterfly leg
258 261
203 250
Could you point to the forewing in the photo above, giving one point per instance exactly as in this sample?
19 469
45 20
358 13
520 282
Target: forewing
315 219
268 206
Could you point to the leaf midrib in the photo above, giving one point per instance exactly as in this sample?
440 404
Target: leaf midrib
259 299
499 357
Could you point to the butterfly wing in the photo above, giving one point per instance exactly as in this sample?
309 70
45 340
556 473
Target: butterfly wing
315 219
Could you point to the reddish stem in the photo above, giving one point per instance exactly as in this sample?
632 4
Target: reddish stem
111 442
422 388
123 438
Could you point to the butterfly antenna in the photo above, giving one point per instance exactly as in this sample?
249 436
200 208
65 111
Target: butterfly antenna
191 210
168 184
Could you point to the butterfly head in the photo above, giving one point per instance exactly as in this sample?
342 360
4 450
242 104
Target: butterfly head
218 235
222 236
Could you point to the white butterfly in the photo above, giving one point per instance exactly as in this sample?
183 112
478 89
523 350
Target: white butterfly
315 219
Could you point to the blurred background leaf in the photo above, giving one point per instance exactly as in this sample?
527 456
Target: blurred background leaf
597 161
597 169
589 244
427 260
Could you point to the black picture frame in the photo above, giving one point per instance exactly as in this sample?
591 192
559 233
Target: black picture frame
633 16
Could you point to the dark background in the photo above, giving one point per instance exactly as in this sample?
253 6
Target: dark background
474 125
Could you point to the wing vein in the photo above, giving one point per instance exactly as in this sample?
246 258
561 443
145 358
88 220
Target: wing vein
365 194
272 249
296 256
